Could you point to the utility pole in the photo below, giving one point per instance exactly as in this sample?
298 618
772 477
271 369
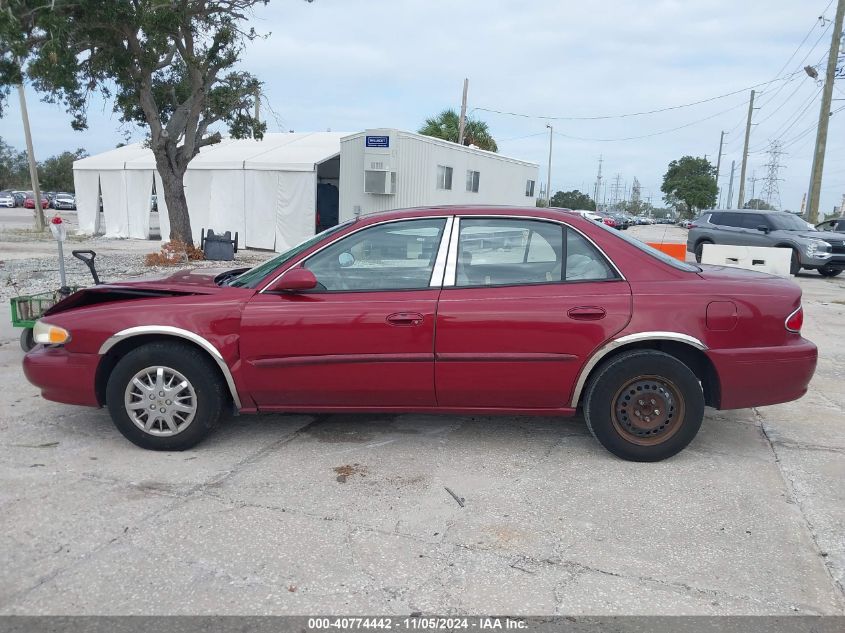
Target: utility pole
463 123
719 162
597 190
731 186
549 177
33 167
824 118
741 199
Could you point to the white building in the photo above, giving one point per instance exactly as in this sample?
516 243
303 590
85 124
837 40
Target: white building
278 191
387 169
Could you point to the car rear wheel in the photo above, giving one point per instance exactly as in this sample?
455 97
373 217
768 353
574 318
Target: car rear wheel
699 249
827 271
644 405
165 396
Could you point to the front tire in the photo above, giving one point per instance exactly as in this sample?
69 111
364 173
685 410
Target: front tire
827 271
27 339
165 396
644 405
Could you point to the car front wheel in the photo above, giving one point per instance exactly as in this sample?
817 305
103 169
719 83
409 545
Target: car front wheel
644 405
828 271
165 396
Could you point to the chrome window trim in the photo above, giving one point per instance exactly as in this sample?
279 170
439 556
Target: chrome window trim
439 269
625 340
452 263
344 236
452 259
169 330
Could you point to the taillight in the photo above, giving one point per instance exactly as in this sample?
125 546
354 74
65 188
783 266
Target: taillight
795 320
693 226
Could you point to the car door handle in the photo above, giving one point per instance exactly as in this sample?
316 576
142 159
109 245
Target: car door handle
587 313
405 319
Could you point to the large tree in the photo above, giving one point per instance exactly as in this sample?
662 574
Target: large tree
166 65
446 125
14 171
56 173
692 181
573 200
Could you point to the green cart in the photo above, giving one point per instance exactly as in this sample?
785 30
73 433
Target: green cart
27 309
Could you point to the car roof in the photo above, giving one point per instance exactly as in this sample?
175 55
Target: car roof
550 213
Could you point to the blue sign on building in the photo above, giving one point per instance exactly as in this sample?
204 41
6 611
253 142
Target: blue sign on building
378 141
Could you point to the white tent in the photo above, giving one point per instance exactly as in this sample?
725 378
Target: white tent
265 190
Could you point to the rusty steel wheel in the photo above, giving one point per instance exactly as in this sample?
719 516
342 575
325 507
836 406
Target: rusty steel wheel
648 410
644 405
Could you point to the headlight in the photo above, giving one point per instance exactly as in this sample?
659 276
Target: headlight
818 248
48 334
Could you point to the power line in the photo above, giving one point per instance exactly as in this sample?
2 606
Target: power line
658 133
631 114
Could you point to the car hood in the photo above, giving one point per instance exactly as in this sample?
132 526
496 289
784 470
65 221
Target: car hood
201 281
812 235
190 280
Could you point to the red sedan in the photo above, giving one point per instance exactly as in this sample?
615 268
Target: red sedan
447 310
29 202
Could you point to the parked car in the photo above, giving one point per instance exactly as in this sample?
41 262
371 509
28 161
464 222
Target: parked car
29 201
19 196
622 222
7 199
815 250
589 215
417 310
64 201
837 225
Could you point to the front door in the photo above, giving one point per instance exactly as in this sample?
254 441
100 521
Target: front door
531 300
364 338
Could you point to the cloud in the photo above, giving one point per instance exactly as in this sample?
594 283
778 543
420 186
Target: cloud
350 64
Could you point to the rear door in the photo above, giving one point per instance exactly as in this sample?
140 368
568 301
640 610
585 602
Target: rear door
525 301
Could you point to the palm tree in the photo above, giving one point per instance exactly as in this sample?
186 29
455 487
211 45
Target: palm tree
447 124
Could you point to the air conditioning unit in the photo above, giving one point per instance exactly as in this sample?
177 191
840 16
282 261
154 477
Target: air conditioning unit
380 182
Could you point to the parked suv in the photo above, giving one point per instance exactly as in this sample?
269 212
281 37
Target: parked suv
818 250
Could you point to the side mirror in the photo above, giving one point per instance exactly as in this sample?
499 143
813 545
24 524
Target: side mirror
294 280
763 228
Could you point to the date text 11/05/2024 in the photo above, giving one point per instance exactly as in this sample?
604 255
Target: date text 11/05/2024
416 623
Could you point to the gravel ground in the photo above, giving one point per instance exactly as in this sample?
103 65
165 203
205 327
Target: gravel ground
29 260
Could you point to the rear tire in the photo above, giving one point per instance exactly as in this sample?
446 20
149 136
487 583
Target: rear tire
795 264
165 396
699 250
644 405
827 271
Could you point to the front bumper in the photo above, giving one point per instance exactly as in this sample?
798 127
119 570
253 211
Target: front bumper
762 376
63 376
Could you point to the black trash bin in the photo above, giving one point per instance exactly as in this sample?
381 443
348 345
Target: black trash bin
218 246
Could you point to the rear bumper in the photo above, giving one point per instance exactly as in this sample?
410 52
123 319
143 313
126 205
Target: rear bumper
761 376
63 376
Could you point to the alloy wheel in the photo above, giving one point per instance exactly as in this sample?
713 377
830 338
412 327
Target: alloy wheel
160 401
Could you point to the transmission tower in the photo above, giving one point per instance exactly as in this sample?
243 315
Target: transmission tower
636 192
771 189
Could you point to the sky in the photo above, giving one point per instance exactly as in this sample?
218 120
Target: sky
347 65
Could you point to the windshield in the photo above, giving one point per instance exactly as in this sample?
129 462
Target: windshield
253 276
663 257
789 222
